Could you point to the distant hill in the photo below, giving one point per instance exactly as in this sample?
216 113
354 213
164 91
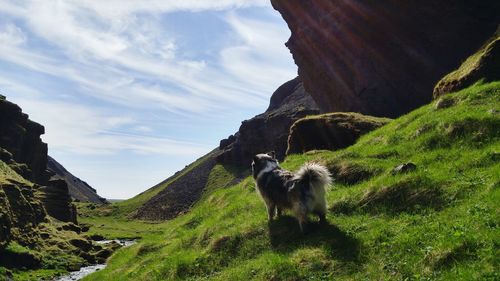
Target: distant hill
78 189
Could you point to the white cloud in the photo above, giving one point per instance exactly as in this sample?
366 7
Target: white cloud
106 55
110 64
10 34
79 130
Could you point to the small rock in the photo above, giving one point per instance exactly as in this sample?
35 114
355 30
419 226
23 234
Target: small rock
404 168
444 103
84 227
494 111
71 227
82 244
96 237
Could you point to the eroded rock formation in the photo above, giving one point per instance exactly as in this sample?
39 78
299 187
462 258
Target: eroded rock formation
22 149
382 58
21 138
269 130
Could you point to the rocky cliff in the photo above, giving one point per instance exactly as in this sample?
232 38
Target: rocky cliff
22 149
21 138
78 189
269 130
382 58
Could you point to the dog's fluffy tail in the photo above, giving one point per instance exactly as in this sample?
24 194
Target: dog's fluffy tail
317 175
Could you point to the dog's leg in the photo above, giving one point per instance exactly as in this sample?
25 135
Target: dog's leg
300 212
271 209
279 211
322 216
321 212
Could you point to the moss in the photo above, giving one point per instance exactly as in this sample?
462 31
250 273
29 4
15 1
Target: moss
483 65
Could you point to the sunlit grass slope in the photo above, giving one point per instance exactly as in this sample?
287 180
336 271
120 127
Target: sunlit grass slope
440 221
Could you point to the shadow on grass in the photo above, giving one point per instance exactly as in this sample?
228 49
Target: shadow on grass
285 236
239 173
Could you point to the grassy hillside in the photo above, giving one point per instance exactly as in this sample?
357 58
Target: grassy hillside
127 206
440 221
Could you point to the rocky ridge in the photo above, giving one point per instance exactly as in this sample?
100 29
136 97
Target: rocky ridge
78 189
269 130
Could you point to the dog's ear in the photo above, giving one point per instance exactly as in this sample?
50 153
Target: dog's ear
272 154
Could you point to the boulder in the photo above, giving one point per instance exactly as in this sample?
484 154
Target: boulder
382 58
330 131
404 168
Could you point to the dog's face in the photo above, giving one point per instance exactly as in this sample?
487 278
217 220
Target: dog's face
262 162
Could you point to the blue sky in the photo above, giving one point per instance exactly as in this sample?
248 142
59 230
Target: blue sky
131 91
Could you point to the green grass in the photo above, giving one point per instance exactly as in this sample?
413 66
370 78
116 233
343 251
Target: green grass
439 222
7 175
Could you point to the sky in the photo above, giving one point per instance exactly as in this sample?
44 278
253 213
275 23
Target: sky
131 91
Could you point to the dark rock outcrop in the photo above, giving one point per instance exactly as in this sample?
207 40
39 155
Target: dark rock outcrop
21 138
22 149
485 64
330 131
180 194
382 58
78 189
269 130
57 201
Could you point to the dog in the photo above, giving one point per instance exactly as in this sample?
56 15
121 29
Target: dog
302 192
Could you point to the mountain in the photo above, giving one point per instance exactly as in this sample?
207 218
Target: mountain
78 189
382 58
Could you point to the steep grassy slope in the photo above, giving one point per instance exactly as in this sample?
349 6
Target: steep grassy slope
440 221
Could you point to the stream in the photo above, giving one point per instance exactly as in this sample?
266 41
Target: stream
84 271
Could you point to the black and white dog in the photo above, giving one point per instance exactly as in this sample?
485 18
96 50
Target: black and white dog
303 192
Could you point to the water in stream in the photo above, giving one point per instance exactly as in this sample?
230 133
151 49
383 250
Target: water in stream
84 271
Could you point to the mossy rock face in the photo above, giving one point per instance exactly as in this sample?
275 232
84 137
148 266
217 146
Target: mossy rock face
5 221
330 131
485 64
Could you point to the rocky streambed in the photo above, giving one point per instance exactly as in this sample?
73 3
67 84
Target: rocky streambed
86 270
